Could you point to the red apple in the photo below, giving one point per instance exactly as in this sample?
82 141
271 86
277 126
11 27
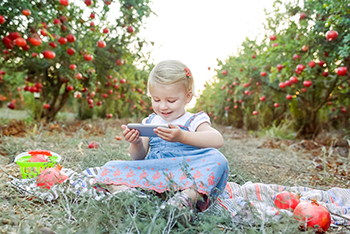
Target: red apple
253 56
105 30
274 44
273 37
88 2
255 112
2 19
99 103
26 12
48 54
305 48
342 71
11 105
71 38
46 106
263 73
109 116
92 94
26 47
288 83
56 21
282 85
20 42
79 76
62 40
119 62
307 83
262 98
77 94
279 67
130 29
64 2
94 145
53 44
289 97
70 87
331 35
302 15
312 64
101 44
118 138
296 56
321 63
276 105
303 89
293 79
325 74
224 72
70 51
72 66
92 15
88 57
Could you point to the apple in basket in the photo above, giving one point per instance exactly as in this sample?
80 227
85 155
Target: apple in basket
38 156
50 177
287 200
312 215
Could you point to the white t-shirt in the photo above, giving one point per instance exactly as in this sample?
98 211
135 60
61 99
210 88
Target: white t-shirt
199 119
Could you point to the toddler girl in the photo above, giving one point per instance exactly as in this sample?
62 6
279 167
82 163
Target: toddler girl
183 157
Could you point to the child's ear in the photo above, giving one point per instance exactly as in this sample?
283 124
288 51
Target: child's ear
189 96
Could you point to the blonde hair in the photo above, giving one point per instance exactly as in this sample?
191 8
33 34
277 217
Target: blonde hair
170 72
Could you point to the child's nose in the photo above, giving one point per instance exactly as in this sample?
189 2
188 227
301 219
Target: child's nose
163 106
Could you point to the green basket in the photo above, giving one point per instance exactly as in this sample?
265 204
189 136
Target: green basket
33 169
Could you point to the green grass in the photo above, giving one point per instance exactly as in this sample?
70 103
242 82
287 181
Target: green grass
122 214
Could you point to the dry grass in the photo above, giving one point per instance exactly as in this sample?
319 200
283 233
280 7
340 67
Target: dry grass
248 162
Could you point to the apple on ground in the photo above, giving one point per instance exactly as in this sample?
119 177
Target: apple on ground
118 138
94 144
109 116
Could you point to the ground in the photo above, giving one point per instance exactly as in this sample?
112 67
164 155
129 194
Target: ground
321 163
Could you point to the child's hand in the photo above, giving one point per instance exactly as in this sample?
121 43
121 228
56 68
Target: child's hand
131 135
172 134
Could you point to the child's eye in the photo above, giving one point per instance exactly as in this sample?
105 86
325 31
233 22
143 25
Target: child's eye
172 101
156 100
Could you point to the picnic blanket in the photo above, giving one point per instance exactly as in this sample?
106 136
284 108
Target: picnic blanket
235 201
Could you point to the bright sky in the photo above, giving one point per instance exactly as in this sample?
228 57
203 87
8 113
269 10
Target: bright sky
198 32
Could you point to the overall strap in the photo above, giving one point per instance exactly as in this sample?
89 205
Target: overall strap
150 117
188 122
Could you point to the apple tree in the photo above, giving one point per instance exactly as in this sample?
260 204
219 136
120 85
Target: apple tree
299 71
56 50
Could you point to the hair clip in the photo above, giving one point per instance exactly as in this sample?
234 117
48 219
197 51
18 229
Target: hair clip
188 73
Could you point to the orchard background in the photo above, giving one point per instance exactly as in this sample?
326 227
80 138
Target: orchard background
61 55
297 75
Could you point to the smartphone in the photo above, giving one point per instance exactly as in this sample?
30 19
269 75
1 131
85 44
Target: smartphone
146 130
